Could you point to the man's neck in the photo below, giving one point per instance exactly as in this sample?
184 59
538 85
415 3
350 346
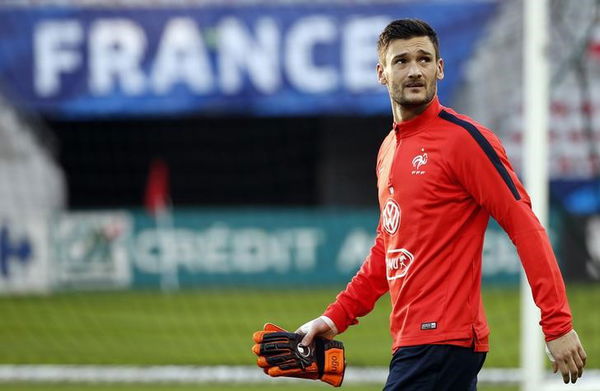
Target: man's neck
407 112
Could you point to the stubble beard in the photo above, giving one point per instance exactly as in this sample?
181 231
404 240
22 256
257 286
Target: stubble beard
400 98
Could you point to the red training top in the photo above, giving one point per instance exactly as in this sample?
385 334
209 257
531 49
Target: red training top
440 177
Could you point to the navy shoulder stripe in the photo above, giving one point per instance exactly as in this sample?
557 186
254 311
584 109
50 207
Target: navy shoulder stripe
487 148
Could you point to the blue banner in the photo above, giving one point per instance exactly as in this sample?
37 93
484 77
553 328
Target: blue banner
251 60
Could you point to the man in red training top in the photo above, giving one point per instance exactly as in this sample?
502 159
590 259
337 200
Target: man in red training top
440 176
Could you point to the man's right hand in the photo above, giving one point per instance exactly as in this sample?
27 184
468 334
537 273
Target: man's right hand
321 326
568 356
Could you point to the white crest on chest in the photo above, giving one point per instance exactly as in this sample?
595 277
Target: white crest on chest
419 161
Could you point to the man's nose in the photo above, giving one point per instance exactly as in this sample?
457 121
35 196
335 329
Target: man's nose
414 71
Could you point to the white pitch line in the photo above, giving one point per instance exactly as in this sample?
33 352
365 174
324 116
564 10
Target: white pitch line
239 374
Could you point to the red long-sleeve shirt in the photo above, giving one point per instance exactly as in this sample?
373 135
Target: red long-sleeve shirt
440 177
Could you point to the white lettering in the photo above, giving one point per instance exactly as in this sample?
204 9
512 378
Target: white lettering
280 245
215 256
220 249
160 250
148 253
354 250
181 57
359 40
54 44
306 242
250 253
258 58
245 55
183 248
116 50
392 263
302 71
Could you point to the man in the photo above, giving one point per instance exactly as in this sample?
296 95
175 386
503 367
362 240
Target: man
440 175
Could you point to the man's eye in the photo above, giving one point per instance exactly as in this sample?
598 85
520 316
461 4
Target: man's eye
425 59
400 61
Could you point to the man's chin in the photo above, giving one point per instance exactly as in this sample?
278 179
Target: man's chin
414 101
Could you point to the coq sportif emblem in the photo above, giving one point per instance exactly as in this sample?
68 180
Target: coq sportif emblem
418 161
391 216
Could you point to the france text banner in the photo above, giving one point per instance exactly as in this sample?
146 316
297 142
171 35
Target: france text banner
252 60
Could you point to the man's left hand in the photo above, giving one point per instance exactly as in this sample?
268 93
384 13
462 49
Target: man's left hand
569 356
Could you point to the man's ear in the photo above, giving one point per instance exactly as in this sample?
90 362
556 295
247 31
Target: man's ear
381 75
440 65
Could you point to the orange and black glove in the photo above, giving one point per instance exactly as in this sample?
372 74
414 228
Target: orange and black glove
281 354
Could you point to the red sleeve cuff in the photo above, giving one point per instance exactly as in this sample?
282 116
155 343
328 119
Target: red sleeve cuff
553 336
336 313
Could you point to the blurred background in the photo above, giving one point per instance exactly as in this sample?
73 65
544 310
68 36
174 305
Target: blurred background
175 173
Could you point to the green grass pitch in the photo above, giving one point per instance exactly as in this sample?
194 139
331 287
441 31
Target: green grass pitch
214 327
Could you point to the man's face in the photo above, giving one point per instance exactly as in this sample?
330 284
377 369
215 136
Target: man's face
410 71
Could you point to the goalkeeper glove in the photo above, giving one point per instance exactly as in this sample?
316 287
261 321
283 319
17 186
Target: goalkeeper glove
281 354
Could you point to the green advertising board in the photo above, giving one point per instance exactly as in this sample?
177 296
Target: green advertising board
230 247
251 246
305 246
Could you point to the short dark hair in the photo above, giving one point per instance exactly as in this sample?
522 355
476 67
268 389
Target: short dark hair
406 29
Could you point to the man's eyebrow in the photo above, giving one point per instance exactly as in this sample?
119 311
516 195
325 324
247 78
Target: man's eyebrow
420 51
403 54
